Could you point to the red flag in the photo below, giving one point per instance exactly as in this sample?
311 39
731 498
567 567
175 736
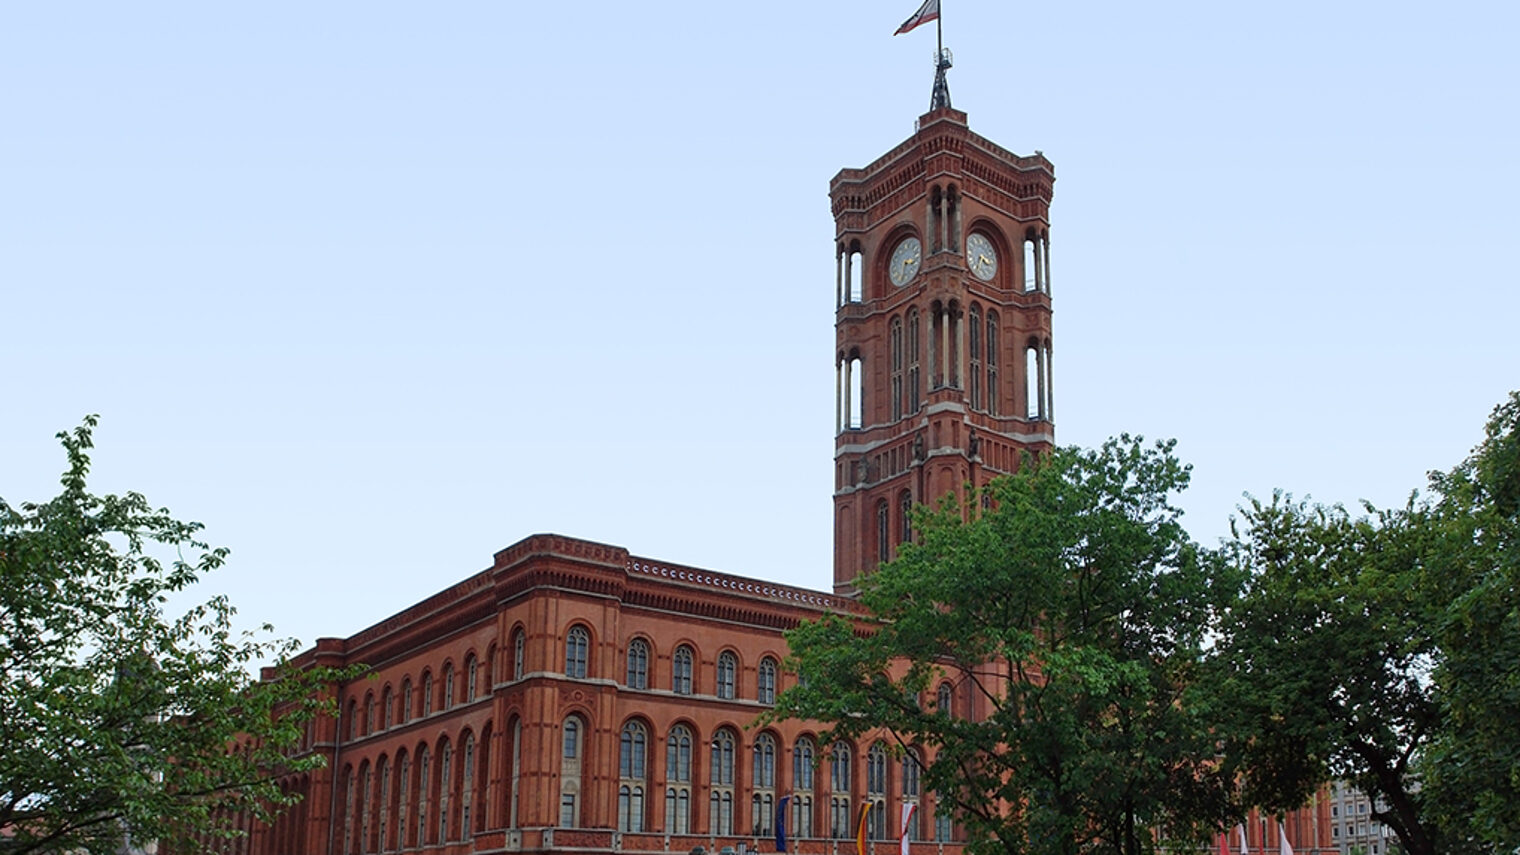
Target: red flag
926 13
1224 843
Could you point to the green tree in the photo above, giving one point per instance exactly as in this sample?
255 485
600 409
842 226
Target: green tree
1068 603
1382 649
1326 660
116 720
1472 769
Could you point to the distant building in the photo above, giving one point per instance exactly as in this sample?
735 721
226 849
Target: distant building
1353 828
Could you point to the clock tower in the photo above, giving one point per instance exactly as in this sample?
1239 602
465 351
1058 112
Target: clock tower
943 333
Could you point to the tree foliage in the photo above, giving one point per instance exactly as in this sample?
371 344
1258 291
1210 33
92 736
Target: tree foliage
1473 768
1067 604
117 721
1384 649
1327 658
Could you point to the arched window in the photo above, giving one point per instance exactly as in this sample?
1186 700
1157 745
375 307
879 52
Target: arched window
406 701
876 791
992 362
896 337
802 788
448 687
913 351
905 515
387 707
944 820
763 780
570 773
471 677
727 666
638 664
424 789
467 788
883 533
383 805
364 806
353 720
678 780
912 763
974 328
577 642
519 642
767 681
839 790
445 787
944 700
631 777
721 794
403 798
680 671
348 811
427 693
369 713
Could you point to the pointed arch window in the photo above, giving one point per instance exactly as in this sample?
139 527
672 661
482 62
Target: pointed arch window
519 644
448 685
905 515
727 666
369 713
406 701
387 708
678 780
403 798
427 693
577 643
883 532
471 677
944 700
680 671
767 681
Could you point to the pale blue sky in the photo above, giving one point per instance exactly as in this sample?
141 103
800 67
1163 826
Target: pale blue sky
375 289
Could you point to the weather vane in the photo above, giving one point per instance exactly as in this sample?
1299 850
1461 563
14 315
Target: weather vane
942 57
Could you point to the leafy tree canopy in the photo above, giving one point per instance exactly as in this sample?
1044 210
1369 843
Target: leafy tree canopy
1067 610
1384 649
117 720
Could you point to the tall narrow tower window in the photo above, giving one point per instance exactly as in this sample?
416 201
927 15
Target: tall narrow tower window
853 267
896 336
905 515
992 363
1031 264
883 533
914 384
974 327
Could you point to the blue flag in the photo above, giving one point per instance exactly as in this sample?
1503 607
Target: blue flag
781 823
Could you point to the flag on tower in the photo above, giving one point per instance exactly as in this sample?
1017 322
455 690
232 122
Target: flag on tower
926 13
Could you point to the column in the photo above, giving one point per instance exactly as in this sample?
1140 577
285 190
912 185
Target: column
1050 385
944 338
838 398
1045 253
960 350
1039 355
838 279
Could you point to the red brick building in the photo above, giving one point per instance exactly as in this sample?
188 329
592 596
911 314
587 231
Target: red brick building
573 696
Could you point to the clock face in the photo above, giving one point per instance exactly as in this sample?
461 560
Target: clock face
980 256
905 261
